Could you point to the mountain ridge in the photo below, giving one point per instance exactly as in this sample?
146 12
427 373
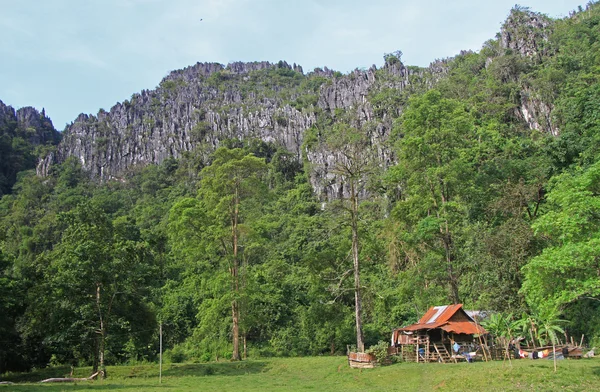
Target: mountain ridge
204 104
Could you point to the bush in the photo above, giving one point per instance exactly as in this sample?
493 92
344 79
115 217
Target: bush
176 355
379 350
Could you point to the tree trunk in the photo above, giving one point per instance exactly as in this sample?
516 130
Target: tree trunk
235 331
102 332
96 350
245 346
235 312
447 240
360 346
508 352
531 334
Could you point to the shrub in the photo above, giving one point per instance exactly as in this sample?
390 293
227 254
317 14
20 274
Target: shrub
379 350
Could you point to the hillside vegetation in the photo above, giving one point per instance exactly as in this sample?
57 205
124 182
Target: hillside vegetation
474 181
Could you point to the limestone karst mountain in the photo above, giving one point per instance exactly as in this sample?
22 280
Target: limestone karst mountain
22 132
198 107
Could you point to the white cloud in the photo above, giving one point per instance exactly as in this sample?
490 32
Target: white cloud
82 55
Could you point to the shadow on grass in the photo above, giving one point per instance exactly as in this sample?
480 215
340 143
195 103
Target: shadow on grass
143 374
38 374
215 369
143 371
94 385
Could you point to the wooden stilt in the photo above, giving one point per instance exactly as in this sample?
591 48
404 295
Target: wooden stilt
480 340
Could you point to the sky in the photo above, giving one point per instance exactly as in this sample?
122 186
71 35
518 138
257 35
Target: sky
78 56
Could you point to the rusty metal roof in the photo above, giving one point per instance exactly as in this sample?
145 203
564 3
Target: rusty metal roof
465 327
450 318
439 314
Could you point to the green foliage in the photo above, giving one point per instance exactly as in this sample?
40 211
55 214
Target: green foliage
379 350
471 205
199 131
216 79
20 148
435 170
567 270
393 58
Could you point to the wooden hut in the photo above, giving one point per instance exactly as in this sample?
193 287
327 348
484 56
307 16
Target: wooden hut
433 337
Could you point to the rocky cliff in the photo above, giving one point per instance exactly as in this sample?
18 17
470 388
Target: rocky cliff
526 34
200 106
29 124
23 133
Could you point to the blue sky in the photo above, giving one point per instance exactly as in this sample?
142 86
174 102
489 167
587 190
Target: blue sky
77 56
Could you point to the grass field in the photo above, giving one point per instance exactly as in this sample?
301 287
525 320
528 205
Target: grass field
326 374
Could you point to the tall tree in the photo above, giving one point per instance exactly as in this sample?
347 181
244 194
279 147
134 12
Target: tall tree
433 171
354 163
232 177
98 275
568 269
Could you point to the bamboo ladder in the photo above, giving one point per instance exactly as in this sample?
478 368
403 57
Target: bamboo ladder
443 353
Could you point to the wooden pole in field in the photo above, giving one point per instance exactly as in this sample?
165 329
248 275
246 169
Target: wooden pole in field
480 339
160 354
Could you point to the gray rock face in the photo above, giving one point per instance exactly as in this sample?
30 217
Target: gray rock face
38 127
526 33
348 91
21 133
197 107
7 114
537 113
28 123
200 106
351 93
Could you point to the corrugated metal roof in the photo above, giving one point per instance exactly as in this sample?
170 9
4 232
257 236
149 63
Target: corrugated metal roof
465 327
442 317
438 311
439 314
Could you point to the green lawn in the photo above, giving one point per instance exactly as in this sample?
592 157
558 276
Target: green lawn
328 374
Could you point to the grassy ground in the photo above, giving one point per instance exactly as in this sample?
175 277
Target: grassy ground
327 374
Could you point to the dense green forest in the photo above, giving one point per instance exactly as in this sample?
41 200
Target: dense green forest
478 208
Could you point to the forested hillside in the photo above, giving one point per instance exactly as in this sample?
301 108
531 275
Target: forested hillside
237 201
26 135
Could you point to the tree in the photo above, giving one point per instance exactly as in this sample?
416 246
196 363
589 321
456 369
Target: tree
501 327
568 269
393 57
354 162
549 326
11 298
97 276
225 185
433 173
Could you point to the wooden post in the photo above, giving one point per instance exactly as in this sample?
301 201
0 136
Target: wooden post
417 346
581 343
160 354
480 340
